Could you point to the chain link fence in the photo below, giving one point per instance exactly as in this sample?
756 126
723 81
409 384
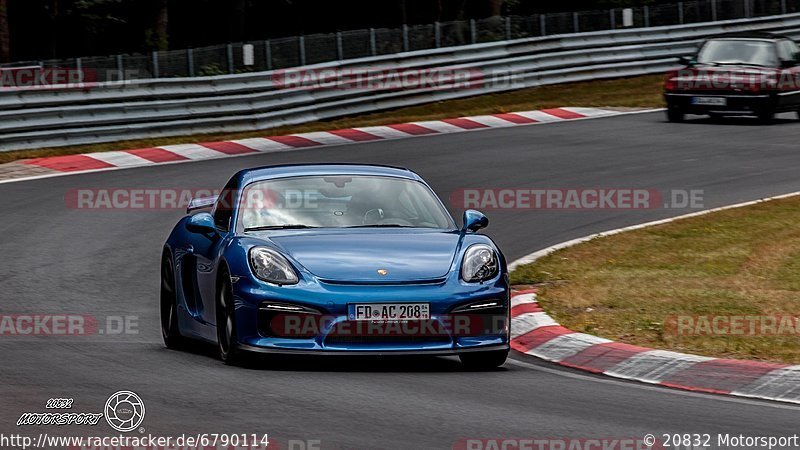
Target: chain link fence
289 52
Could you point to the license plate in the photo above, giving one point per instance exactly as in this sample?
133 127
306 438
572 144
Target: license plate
711 101
390 311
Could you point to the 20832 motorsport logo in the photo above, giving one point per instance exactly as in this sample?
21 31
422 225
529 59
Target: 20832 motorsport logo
124 411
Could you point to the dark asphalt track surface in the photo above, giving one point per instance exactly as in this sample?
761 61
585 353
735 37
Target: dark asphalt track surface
61 260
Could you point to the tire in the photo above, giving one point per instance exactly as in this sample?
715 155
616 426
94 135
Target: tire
170 331
484 360
716 118
766 115
675 114
227 342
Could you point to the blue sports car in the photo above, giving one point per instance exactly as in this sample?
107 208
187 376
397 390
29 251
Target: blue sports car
334 259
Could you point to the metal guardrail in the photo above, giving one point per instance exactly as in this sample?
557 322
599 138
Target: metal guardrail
106 112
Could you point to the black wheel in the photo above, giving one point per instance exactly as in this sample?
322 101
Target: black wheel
675 114
169 307
484 360
716 118
226 323
766 115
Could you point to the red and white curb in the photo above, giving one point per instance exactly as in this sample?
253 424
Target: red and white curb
535 333
90 162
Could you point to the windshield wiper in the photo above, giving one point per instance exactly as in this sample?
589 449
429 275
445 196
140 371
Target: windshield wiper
279 227
382 225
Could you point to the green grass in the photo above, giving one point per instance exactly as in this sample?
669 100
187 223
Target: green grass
625 287
634 92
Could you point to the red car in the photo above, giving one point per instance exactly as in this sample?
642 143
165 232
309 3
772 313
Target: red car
742 74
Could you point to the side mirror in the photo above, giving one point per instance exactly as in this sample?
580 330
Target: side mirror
201 223
686 60
474 220
788 63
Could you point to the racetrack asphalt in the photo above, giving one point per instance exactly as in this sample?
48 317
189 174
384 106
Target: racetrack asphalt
61 260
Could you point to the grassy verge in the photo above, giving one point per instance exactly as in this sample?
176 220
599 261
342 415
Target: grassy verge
742 262
627 92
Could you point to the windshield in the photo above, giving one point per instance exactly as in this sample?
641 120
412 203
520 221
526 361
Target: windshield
738 51
340 202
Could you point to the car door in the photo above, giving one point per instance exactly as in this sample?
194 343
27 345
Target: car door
789 56
201 262
196 267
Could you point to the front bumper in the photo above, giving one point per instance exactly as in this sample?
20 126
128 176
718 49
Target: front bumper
735 104
256 332
445 352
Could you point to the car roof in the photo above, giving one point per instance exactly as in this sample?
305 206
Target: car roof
755 35
248 176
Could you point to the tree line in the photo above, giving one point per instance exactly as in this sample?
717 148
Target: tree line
47 29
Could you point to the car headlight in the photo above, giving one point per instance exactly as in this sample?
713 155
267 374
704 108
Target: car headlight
271 266
480 264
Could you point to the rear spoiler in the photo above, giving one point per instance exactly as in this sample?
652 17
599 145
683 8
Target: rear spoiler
201 203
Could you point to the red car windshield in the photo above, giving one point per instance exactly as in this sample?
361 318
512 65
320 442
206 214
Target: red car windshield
746 52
